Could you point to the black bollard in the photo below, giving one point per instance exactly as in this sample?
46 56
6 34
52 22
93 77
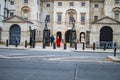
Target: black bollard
65 46
16 43
43 45
93 46
75 45
83 46
7 43
115 51
104 47
115 48
54 46
25 43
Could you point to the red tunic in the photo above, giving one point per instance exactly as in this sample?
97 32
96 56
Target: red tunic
58 42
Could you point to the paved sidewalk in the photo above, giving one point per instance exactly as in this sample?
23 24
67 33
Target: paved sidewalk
79 49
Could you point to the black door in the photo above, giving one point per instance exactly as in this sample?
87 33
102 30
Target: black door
67 36
106 34
15 33
106 37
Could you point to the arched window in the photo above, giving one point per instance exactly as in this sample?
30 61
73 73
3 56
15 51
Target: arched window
25 12
82 37
70 14
116 12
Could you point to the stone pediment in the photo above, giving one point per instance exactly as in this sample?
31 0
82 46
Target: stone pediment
17 19
106 20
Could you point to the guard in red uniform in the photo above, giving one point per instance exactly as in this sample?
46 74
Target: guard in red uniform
58 42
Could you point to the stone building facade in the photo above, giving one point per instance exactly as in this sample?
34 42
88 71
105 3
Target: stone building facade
95 20
18 17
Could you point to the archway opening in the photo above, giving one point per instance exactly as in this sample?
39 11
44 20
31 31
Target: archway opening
106 34
106 37
15 34
59 34
82 37
67 36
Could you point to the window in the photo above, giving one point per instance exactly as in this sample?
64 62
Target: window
25 12
11 13
11 2
70 18
116 15
83 18
25 15
48 17
25 1
117 1
47 5
96 5
82 3
59 15
71 4
95 18
59 3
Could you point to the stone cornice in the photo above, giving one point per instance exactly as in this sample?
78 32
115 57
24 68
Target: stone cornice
97 1
71 0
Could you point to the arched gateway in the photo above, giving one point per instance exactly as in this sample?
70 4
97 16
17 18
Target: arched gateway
106 37
15 34
106 34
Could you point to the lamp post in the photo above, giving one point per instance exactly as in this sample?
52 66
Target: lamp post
32 37
73 34
31 41
46 34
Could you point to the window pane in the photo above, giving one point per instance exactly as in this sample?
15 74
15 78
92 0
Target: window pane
59 3
82 3
25 1
70 18
59 17
117 1
96 6
82 18
48 17
71 4
95 18
25 16
11 2
11 13
116 16
48 5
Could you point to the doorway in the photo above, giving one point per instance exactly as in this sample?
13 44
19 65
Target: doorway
15 34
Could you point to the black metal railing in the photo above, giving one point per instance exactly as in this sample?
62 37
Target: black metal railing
105 44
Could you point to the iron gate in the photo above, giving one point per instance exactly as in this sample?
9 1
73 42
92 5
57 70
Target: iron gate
15 34
106 44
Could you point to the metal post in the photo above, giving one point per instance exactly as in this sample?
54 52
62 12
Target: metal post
16 43
94 46
83 46
54 46
115 51
25 43
7 43
34 32
65 46
115 48
43 45
75 45
104 47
